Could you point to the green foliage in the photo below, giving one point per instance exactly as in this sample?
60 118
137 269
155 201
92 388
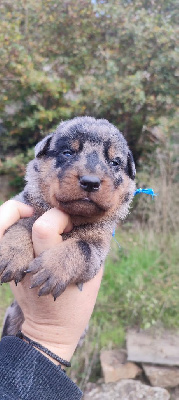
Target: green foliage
15 167
160 172
115 60
140 287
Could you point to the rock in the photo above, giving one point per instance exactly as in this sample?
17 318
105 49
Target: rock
174 393
153 347
126 390
162 376
115 366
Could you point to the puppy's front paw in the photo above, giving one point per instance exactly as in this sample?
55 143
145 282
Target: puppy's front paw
14 258
50 274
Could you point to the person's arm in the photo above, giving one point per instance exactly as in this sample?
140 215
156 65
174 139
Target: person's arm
56 325
27 374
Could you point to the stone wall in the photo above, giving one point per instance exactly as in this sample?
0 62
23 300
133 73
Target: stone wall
147 369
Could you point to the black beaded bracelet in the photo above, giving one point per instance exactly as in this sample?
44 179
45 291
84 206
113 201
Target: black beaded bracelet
39 346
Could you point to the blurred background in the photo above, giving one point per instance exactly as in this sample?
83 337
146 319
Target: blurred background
115 60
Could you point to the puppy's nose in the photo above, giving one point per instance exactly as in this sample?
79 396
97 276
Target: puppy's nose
90 183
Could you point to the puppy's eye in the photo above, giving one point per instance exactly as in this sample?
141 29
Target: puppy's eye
115 162
67 153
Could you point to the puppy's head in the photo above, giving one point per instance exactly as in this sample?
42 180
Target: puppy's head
85 168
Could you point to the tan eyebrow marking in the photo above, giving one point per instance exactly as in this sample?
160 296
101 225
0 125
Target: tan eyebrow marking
75 145
111 152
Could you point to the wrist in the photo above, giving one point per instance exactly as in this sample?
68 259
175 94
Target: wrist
43 350
50 338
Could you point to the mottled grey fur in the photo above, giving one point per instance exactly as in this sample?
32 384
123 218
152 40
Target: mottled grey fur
86 169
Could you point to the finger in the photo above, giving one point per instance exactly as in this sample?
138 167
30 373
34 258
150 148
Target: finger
10 212
47 230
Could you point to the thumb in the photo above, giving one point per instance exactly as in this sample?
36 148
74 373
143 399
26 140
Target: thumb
10 212
47 230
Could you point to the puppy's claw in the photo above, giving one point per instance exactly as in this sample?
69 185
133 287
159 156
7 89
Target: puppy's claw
6 277
39 279
54 298
80 286
27 271
19 276
46 289
3 265
33 286
58 290
35 265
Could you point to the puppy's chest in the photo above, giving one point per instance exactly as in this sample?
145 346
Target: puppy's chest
81 232
95 232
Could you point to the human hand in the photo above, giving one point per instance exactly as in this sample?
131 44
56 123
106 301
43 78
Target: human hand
56 325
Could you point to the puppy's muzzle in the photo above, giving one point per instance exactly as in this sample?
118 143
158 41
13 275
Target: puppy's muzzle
90 183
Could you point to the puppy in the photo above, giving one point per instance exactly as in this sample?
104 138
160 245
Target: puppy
86 169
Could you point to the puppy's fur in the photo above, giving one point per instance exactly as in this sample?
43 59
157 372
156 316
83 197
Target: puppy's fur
86 169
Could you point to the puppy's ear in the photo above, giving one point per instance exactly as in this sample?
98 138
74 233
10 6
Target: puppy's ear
130 168
42 147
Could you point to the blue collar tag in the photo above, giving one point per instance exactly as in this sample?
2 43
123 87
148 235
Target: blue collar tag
138 191
146 191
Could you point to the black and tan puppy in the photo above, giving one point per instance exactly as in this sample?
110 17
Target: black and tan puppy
86 169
